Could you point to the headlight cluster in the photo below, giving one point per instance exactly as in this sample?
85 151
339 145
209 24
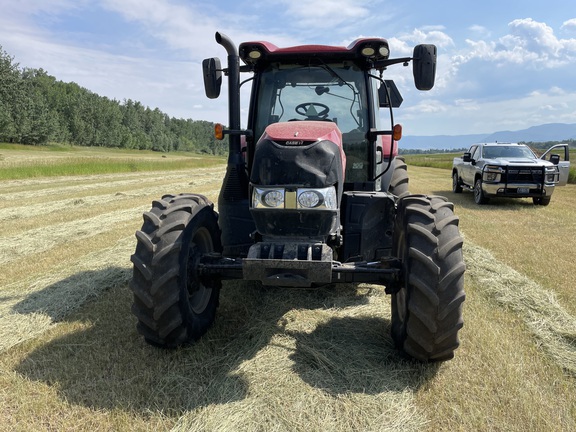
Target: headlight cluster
492 173
552 174
301 198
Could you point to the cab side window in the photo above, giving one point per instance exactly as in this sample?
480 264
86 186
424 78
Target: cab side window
475 153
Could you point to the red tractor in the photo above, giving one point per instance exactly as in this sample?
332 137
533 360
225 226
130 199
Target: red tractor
314 194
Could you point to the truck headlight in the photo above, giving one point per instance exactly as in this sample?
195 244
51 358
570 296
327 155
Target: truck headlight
552 174
492 173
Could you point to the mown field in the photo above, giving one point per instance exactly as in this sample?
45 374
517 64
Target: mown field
276 359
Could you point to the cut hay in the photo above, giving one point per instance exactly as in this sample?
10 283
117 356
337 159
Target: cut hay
554 328
18 190
31 306
50 236
317 368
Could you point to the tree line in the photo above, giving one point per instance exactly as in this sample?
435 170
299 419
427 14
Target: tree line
36 108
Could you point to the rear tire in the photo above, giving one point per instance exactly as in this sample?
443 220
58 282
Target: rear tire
456 186
427 309
399 182
172 305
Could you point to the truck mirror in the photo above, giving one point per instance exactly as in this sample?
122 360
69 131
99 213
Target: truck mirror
212 72
424 66
555 159
467 157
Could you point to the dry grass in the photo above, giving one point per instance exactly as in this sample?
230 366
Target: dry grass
536 241
276 359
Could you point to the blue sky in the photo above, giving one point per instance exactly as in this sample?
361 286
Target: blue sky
502 65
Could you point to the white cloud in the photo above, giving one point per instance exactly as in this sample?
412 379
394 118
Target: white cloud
569 25
325 13
437 117
480 30
530 42
179 27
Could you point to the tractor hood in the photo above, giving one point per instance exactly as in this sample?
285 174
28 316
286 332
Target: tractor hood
299 153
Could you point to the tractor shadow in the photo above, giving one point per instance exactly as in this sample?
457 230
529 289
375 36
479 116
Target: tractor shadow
356 355
96 359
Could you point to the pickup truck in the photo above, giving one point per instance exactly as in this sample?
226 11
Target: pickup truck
510 170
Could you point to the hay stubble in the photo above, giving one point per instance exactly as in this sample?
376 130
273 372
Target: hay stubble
276 359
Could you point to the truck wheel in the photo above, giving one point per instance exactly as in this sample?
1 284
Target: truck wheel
399 182
479 197
543 201
172 306
427 308
456 186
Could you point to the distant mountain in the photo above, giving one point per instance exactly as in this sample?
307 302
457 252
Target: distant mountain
546 132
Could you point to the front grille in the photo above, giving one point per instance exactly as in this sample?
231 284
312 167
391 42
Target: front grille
524 175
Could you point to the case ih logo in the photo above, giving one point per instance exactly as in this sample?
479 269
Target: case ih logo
294 143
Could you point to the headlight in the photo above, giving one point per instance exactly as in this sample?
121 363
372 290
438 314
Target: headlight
552 174
324 198
270 198
492 173
302 198
309 199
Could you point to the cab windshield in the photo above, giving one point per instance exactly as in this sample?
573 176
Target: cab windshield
335 93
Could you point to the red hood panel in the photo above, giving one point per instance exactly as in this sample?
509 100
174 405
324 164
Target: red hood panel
305 131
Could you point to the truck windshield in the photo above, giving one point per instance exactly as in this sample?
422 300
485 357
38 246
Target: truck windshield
500 151
335 93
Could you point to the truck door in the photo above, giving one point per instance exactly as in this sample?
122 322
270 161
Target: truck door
469 168
563 151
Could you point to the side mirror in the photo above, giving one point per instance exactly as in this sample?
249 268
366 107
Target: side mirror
555 159
424 66
467 157
212 72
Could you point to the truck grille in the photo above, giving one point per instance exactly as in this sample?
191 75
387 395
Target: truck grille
524 175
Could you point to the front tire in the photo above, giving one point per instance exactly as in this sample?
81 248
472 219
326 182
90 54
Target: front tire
479 197
543 201
172 305
427 308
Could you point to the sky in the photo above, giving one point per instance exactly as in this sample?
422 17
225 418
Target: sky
502 65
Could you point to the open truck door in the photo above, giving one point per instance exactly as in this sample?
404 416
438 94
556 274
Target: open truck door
559 155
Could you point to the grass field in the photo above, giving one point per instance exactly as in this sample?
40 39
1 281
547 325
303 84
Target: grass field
24 162
276 359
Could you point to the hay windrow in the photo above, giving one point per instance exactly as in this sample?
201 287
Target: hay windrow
22 190
31 306
554 328
50 236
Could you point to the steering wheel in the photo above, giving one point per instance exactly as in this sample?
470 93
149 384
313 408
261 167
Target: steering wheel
303 108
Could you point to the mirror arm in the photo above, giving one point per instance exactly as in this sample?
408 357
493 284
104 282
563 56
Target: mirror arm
383 64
